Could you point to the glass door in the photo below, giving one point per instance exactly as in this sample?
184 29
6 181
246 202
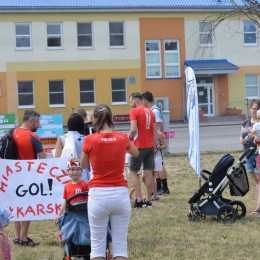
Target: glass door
206 98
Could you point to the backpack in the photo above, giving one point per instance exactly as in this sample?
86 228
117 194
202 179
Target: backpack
8 148
69 148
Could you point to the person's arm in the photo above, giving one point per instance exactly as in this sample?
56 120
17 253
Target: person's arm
133 150
162 142
242 141
155 131
84 161
61 211
42 155
1 247
133 129
58 148
159 126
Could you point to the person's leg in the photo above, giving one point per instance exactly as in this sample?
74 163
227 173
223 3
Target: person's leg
17 232
119 220
98 214
137 185
24 229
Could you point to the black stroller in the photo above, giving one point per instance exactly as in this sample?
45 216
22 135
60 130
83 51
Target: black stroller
224 174
75 231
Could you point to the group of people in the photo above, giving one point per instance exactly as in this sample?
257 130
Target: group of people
104 150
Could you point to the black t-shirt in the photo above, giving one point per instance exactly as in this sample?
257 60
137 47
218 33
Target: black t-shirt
87 126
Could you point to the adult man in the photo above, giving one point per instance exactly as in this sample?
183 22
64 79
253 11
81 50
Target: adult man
143 132
161 179
29 148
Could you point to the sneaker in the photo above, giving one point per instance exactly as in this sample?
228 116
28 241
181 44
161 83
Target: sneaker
162 191
16 240
139 204
27 242
155 199
149 204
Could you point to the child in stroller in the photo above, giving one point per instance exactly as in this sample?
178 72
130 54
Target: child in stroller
224 174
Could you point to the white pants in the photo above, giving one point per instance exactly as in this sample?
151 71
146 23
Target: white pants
106 204
157 164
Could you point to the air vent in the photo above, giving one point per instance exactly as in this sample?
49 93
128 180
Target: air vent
132 80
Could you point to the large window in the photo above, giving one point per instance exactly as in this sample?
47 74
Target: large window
56 93
250 33
172 58
87 91
116 34
251 86
25 94
118 90
23 38
84 31
54 36
153 59
206 33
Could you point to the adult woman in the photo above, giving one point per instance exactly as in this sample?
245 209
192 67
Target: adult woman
76 128
247 139
108 194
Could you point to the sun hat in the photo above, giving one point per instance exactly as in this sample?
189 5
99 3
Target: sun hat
5 216
71 163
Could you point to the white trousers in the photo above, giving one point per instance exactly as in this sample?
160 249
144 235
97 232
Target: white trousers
106 204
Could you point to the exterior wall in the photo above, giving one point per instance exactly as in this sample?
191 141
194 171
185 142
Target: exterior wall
164 28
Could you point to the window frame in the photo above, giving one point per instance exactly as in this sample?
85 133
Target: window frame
206 33
119 102
255 86
30 36
256 34
56 92
174 52
153 64
54 35
91 27
117 46
27 93
94 92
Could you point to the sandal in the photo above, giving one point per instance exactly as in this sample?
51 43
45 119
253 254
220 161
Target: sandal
16 240
27 242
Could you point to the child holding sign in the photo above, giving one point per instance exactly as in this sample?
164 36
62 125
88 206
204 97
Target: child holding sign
5 252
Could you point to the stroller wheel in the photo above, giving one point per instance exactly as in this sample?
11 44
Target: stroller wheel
226 214
240 208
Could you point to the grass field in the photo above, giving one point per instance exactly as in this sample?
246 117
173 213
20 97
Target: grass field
164 232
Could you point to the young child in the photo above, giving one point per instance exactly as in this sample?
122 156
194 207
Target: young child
75 186
5 251
256 127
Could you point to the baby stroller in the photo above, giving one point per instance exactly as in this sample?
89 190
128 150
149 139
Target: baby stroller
227 211
74 226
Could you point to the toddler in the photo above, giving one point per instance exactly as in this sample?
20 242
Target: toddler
5 251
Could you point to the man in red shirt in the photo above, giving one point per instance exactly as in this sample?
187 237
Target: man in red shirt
143 133
29 147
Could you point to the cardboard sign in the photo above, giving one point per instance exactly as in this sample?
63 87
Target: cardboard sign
7 122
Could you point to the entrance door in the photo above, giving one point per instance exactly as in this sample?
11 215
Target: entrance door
206 98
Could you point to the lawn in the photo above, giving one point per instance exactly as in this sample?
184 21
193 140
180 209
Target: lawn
164 232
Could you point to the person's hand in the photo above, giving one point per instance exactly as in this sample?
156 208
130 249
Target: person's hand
56 220
251 135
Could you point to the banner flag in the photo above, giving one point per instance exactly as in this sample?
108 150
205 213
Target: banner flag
193 119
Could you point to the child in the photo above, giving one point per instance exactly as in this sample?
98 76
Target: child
76 185
256 127
5 251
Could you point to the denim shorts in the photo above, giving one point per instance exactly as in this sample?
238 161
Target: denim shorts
251 164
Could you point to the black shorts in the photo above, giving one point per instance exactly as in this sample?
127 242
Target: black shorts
145 157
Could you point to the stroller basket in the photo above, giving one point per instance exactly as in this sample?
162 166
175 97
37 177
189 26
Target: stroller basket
238 181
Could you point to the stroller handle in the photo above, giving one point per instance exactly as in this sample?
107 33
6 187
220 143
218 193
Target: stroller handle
75 196
248 153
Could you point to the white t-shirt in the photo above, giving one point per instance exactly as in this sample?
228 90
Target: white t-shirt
256 128
157 113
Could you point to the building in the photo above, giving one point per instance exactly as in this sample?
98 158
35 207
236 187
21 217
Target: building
60 55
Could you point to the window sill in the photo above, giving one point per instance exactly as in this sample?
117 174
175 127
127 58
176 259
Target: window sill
85 48
22 107
251 45
117 47
87 104
57 106
23 49
119 103
54 48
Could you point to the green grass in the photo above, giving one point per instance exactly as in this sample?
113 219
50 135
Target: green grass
164 232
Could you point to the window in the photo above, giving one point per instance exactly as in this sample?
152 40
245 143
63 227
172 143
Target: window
23 36
251 86
172 58
116 34
56 93
250 33
84 31
153 59
118 90
25 94
54 36
206 33
87 92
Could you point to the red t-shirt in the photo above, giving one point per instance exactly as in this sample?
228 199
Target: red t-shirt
28 144
106 153
71 189
145 122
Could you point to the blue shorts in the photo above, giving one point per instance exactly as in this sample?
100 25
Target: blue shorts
251 164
